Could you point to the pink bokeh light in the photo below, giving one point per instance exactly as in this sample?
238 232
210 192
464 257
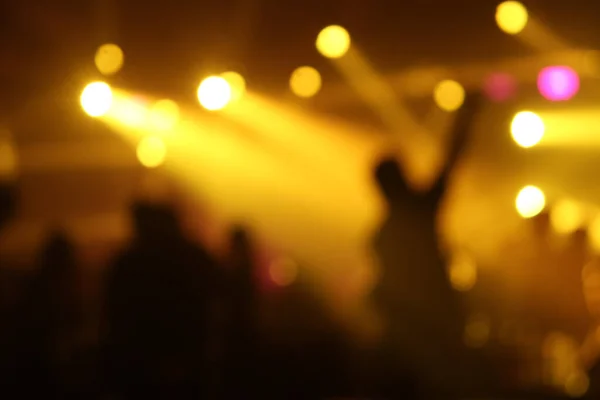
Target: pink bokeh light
558 83
500 86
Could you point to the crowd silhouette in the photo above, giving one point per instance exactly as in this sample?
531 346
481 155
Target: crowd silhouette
178 322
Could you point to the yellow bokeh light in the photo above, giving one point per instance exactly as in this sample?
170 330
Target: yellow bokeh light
477 331
214 93
577 384
8 159
511 17
305 82
333 41
449 95
109 59
151 152
164 114
530 201
283 271
527 129
463 272
96 99
131 113
567 216
237 84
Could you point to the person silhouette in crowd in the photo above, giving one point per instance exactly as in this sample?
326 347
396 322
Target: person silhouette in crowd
422 314
48 323
242 325
158 296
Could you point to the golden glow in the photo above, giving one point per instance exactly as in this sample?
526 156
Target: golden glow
283 271
164 114
594 234
333 41
8 159
511 17
577 384
109 59
477 331
131 113
527 129
449 95
530 201
567 216
305 82
214 93
237 84
463 272
96 99
151 152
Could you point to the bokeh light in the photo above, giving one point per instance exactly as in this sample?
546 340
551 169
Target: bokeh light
96 99
477 331
132 113
530 201
594 234
566 216
333 41
8 159
558 83
151 152
511 17
164 114
283 271
500 87
577 384
214 93
236 82
109 59
527 129
463 272
449 95
305 82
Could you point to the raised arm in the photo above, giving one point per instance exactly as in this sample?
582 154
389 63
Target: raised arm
458 139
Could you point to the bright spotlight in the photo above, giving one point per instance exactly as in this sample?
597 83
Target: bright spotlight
530 201
527 129
151 152
449 95
305 82
333 41
558 83
164 114
511 17
214 93
109 59
96 99
237 84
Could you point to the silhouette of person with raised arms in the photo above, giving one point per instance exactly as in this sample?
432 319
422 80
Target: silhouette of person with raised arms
424 324
158 296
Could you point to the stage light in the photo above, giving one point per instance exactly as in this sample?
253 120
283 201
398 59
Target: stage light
449 95
527 129
151 152
500 87
511 17
237 84
305 82
558 83
96 99
214 93
164 114
109 59
333 41
530 202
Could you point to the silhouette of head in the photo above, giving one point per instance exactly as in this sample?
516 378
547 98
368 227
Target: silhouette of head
6 203
390 179
241 247
154 222
57 256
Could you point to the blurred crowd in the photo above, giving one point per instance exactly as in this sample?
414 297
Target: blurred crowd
170 320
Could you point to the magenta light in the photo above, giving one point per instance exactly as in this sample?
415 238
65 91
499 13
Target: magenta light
558 83
500 87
